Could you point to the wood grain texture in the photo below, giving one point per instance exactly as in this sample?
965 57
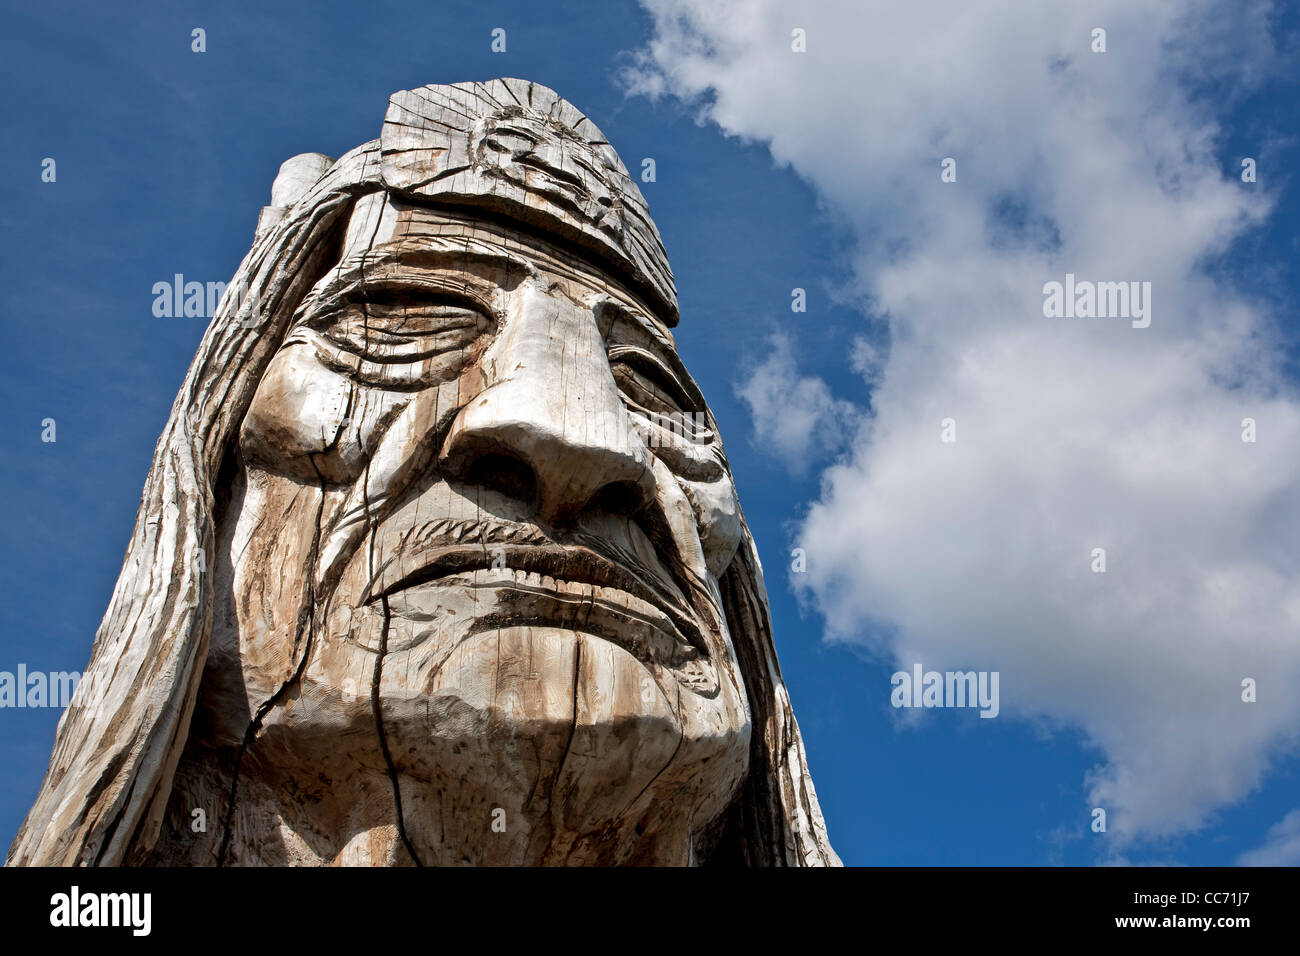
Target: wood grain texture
440 560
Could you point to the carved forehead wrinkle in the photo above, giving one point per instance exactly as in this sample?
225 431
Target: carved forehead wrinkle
476 273
419 223
477 262
416 240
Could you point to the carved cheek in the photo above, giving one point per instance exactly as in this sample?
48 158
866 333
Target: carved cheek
718 514
300 422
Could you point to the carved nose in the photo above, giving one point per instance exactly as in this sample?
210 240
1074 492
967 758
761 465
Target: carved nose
549 424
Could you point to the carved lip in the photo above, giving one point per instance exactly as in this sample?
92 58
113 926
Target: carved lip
567 563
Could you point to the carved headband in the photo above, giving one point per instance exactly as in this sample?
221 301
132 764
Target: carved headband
520 151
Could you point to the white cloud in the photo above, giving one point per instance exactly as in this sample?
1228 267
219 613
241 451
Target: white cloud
795 416
1281 847
1072 433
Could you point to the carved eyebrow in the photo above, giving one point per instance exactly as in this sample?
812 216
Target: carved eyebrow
354 289
376 274
389 289
609 310
662 376
447 253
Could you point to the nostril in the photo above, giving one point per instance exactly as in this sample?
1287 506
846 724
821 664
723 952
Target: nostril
618 498
504 474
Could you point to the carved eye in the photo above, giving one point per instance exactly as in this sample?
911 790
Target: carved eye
399 337
648 383
405 332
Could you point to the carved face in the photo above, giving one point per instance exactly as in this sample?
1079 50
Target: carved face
549 159
479 532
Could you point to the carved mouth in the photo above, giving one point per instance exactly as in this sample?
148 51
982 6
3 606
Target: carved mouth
552 566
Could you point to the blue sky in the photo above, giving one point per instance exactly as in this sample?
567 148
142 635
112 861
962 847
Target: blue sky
164 158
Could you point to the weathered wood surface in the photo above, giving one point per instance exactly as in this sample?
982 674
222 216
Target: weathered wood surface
440 559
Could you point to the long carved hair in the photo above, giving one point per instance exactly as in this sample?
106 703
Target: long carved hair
118 743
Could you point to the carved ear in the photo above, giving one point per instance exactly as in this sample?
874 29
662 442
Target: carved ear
297 175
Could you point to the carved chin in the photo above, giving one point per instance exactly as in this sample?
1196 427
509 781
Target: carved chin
567 733
632 742
521 705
